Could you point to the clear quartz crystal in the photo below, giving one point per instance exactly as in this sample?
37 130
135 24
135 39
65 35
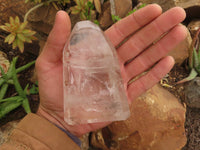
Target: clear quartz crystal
93 86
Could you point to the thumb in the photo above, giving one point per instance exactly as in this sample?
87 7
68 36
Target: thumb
57 38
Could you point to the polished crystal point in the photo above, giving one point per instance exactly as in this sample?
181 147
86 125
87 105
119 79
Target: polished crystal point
93 86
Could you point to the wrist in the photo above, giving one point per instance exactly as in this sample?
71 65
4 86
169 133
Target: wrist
55 122
58 119
44 114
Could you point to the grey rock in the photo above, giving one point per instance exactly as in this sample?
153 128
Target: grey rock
192 93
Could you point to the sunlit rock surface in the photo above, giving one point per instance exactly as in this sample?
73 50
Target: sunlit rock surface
156 123
93 87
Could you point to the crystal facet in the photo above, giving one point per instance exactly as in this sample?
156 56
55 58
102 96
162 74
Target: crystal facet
93 86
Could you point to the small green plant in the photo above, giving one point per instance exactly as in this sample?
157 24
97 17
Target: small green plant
194 59
117 18
84 8
18 33
10 78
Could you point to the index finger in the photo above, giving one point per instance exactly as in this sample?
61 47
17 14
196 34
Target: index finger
119 31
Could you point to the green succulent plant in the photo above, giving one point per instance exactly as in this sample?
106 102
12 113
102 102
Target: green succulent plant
18 33
83 7
10 78
194 59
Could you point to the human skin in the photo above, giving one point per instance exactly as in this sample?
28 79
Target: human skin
145 26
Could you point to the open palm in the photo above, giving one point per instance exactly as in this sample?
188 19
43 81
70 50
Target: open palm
145 27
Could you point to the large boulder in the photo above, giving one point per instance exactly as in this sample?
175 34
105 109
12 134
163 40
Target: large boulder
192 93
181 52
156 123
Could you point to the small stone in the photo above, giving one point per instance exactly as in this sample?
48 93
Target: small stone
105 19
192 93
156 123
92 78
122 7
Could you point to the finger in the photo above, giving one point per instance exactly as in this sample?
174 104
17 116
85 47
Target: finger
147 81
119 31
145 37
52 51
149 57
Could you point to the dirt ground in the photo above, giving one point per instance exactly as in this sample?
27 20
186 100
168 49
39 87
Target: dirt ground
192 124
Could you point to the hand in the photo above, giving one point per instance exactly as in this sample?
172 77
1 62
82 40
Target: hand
145 26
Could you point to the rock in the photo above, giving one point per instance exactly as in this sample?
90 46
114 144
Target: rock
193 26
120 7
156 123
42 19
181 52
192 93
5 131
192 7
105 19
165 4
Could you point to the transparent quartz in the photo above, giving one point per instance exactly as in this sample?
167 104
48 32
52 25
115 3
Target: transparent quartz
93 86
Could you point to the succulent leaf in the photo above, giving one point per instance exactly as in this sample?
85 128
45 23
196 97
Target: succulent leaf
12 22
75 10
17 21
21 37
7 38
192 75
82 15
195 58
14 45
23 25
11 38
20 44
5 28
97 5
